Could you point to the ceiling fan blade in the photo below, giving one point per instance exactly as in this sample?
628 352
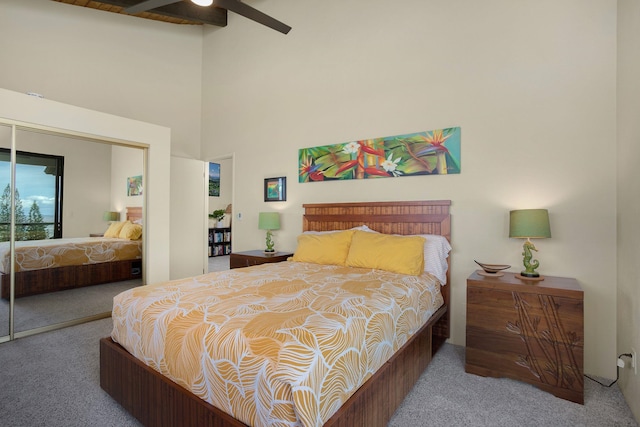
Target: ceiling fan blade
251 13
147 5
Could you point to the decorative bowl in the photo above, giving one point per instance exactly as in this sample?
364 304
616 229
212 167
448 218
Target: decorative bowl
492 268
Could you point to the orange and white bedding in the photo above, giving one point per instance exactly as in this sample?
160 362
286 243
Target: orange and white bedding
39 254
275 344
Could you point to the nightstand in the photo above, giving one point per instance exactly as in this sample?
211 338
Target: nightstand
249 258
528 331
96 234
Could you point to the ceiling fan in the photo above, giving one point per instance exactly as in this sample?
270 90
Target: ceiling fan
232 5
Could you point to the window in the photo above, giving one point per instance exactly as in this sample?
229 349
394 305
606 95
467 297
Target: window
39 179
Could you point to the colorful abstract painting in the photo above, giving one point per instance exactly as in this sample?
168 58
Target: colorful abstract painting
435 152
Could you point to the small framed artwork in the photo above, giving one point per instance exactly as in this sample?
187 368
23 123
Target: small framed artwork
134 185
214 179
275 189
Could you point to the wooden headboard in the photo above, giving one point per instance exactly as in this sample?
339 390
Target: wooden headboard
134 213
421 217
417 217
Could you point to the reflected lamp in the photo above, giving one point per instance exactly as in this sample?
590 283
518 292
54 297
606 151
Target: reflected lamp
269 221
529 224
110 216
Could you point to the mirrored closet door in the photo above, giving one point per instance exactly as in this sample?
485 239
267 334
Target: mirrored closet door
5 230
68 192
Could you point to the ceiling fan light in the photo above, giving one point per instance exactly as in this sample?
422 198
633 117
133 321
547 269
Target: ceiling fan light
203 2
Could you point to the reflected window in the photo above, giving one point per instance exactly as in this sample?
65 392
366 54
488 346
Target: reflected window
38 195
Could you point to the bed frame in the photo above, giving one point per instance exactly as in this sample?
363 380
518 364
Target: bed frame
157 401
34 282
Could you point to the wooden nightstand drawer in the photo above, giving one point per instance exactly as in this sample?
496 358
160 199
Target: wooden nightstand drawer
528 331
249 258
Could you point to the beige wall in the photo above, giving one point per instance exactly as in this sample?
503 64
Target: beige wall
136 68
628 331
532 85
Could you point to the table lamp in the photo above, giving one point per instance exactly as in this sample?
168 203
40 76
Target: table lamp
529 224
110 216
269 221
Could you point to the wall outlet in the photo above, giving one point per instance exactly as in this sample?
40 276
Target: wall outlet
634 360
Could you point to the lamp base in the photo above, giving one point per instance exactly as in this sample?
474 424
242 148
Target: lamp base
532 274
530 279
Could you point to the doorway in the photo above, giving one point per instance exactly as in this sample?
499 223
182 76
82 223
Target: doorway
219 241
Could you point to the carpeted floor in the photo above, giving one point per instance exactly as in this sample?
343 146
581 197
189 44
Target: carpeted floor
52 379
446 395
218 263
56 307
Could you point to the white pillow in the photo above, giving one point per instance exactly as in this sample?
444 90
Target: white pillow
436 251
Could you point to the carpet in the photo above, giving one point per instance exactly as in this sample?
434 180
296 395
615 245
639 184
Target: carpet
52 379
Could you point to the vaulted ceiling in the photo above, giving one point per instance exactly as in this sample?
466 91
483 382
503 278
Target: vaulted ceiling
182 12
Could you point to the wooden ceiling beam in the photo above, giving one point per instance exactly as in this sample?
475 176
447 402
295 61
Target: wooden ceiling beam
182 10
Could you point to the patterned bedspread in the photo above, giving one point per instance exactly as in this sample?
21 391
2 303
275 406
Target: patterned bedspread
275 344
39 254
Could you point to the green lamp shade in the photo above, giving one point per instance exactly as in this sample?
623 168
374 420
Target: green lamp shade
269 221
110 216
529 224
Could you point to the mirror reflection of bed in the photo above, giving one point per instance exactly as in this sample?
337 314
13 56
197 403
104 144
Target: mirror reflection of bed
43 296
94 181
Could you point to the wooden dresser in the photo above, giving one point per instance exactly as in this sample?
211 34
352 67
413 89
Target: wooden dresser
532 331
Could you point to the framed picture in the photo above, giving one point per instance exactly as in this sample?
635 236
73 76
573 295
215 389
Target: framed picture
275 189
214 179
134 185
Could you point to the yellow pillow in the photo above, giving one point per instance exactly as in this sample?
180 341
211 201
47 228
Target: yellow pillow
131 231
398 254
330 248
114 229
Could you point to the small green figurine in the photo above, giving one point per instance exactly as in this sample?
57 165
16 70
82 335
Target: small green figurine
269 242
529 264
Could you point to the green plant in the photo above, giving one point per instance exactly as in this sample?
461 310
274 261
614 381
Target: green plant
218 214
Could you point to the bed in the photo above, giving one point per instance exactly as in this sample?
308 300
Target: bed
156 400
58 264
